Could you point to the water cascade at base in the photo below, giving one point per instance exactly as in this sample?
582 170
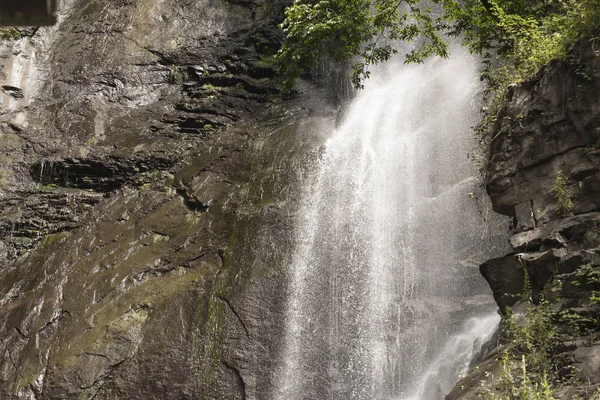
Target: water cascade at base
382 277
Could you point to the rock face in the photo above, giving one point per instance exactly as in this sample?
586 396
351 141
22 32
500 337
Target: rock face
146 178
140 146
117 90
544 172
549 129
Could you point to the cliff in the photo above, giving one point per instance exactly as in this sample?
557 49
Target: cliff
150 173
544 173
141 143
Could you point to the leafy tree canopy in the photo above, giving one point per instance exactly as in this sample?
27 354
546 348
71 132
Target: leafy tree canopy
525 33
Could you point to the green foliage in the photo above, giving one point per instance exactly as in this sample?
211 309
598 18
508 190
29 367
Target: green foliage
9 34
174 74
4 177
587 274
527 290
339 30
160 181
578 325
562 194
525 369
584 321
525 34
529 34
49 187
48 240
533 334
516 383
525 364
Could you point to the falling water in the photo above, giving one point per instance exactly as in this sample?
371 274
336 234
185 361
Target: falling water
454 359
376 287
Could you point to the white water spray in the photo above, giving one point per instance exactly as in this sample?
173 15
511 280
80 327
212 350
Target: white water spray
454 359
375 288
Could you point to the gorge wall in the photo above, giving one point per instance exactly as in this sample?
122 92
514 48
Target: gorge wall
544 172
149 179
141 143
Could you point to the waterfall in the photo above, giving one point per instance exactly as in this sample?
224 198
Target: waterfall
384 234
454 359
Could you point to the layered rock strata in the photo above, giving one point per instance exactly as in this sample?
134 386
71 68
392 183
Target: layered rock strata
142 144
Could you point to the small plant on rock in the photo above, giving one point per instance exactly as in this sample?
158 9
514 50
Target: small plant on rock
562 194
533 334
526 371
9 34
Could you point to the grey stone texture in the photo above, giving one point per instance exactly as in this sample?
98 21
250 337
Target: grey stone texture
142 143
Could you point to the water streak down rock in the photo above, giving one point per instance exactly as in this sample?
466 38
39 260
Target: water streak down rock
134 139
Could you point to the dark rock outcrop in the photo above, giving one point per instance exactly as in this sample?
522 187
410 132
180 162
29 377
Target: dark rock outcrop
544 172
506 278
549 128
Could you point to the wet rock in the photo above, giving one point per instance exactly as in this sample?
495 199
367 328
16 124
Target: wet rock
130 93
99 175
40 216
484 374
143 160
505 276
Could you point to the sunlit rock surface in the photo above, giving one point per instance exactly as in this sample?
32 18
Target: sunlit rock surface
140 145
